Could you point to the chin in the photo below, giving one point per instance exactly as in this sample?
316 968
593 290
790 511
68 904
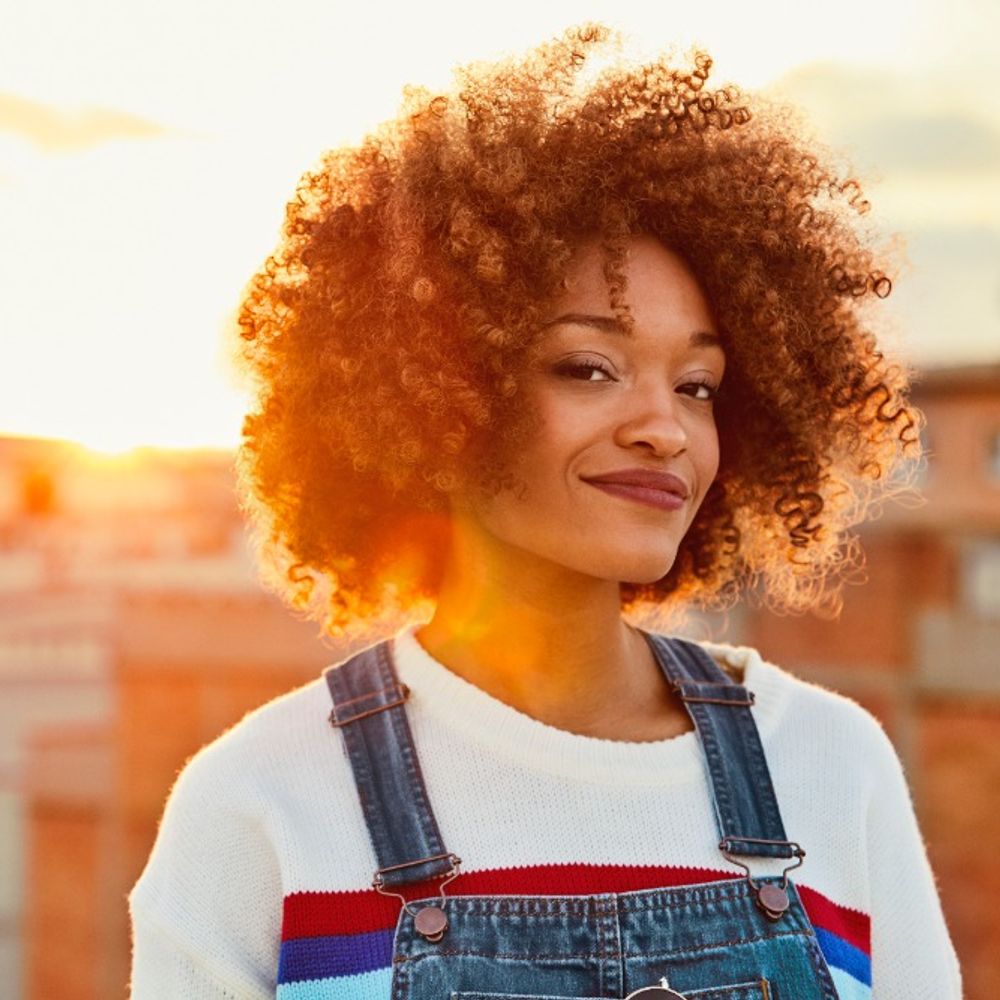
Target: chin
645 578
642 568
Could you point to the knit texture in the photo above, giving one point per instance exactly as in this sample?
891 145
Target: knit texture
259 884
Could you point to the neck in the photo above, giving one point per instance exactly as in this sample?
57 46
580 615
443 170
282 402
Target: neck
545 640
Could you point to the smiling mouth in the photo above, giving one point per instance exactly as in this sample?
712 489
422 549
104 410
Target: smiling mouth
653 489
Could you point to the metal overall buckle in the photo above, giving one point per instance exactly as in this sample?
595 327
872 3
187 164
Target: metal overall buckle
771 899
430 921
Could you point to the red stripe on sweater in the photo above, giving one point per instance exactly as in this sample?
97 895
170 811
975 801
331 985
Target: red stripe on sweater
852 926
313 914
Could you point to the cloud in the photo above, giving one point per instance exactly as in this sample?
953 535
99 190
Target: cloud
835 92
948 299
55 130
894 122
945 141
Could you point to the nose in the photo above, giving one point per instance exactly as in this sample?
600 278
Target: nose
651 420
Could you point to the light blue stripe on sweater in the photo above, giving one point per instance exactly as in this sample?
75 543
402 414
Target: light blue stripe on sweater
848 988
375 985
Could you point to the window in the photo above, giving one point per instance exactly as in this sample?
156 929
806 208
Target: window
993 457
982 579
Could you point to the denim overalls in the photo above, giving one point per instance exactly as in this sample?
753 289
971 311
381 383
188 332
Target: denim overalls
737 939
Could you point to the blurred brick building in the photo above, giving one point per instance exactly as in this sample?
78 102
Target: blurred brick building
919 645
132 631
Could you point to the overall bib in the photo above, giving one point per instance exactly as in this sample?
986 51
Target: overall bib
737 939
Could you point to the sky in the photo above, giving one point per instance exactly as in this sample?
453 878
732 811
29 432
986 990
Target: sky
147 152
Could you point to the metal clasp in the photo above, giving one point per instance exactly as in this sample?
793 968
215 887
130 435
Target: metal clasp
399 693
770 898
430 921
704 698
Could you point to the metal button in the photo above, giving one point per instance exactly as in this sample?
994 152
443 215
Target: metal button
431 923
773 900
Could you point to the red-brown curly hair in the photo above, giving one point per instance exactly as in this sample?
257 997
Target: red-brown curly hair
387 333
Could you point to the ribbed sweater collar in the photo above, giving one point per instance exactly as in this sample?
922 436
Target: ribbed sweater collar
440 697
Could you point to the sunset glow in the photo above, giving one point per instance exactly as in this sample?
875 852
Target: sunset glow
146 154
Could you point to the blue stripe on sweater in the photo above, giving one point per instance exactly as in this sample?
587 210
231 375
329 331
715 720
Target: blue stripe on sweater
334 955
843 955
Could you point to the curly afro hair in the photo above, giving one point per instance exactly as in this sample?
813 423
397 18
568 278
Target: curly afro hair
387 334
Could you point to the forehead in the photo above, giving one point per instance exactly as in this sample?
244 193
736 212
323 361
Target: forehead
661 290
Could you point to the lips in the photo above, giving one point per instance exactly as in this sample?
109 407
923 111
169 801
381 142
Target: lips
647 486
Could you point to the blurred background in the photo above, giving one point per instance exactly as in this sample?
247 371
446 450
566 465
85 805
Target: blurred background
146 154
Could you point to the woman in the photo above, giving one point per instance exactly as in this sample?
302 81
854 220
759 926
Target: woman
541 351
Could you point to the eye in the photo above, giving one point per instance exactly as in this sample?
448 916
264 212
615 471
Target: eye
585 371
702 390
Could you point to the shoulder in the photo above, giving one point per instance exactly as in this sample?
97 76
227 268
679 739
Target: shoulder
235 800
207 908
802 714
832 764
241 770
268 797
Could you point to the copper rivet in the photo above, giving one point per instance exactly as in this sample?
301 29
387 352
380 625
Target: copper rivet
431 923
773 900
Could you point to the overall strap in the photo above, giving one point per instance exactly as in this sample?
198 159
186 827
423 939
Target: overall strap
746 807
368 707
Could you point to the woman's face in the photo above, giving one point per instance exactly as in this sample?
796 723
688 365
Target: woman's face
626 445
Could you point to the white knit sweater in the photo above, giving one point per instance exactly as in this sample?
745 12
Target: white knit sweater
263 836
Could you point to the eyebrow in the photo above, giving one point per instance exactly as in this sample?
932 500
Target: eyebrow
611 324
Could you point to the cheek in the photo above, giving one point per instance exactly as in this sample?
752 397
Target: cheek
556 438
706 456
536 495
712 462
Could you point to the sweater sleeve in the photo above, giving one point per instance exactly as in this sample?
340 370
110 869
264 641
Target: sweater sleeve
912 953
206 911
